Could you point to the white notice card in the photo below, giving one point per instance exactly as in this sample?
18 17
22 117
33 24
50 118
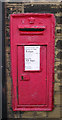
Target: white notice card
32 57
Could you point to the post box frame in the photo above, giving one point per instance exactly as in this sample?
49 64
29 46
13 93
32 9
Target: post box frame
50 48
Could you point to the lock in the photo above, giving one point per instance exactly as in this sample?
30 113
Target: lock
21 77
24 77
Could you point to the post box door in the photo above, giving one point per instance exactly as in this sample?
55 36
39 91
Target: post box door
32 87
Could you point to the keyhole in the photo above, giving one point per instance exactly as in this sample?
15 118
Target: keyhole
22 77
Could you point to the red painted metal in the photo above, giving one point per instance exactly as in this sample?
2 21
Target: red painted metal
32 90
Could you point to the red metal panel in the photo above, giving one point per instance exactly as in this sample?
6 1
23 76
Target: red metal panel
32 89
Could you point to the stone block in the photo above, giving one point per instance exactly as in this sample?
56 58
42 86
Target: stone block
55 113
57 87
41 114
56 78
57 98
28 114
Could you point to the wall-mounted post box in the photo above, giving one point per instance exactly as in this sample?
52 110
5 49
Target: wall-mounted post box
32 61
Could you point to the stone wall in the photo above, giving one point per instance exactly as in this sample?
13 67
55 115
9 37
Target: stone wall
56 9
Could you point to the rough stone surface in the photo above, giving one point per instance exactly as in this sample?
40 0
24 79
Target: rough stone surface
57 98
55 113
59 44
57 87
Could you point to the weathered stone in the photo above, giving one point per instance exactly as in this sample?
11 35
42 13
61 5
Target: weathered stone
56 78
28 114
61 100
41 114
57 98
60 76
59 30
59 19
56 64
59 44
16 114
57 87
59 67
59 55
55 113
61 87
41 8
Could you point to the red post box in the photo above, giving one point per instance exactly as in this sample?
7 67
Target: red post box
32 61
